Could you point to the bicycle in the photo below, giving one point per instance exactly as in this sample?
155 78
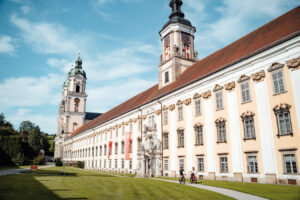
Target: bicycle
181 180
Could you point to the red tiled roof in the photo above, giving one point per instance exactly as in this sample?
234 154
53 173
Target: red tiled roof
273 33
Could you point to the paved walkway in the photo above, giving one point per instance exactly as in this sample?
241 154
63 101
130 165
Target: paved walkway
18 171
231 193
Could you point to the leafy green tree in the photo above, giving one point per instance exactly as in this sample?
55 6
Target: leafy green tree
34 139
52 147
24 128
45 144
6 128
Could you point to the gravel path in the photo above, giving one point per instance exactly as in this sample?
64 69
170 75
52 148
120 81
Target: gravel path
18 171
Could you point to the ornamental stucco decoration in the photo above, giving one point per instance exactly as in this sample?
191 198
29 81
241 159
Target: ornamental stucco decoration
196 95
165 132
139 117
144 117
119 125
158 112
247 114
281 107
206 94
172 107
187 101
243 78
294 64
198 124
130 120
259 76
180 129
135 120
165 108
230 86
220 120
179 102
275 66
217 88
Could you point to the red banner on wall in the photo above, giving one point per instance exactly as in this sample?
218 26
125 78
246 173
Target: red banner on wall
128 140
109 149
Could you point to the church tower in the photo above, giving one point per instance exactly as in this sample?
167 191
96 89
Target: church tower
178 51
71 114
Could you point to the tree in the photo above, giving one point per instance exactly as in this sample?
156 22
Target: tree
34 139
24 128
52 147
6 128
45 144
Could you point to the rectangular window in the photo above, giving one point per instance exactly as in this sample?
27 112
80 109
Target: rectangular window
116 148
199 135
151 121
223 164
123 147
219 100
130 164
221 132
130 146
181 163
166 141
104 149
104 163
278 82
166 165
284 123
252 164
180 113
180 138
123 130
109 163
100 150
166 77
245 92
116 163
96 151
165 116
249 129
200 164
290 165
122 163
117 132
198 106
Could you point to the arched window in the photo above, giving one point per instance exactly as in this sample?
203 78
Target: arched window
77 88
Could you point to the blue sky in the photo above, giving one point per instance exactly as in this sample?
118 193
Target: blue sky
118 41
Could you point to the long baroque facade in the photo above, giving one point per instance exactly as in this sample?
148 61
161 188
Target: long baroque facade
233 118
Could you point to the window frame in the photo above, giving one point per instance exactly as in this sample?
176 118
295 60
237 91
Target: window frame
180 112
167 78
219 100
243 83
256 166
289 153
283 82
197 105
221 164
200 168
283 109
196 128
180 133
165 117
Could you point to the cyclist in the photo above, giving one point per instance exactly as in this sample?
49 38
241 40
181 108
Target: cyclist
181 173
193 173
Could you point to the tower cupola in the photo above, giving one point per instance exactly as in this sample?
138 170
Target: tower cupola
178 52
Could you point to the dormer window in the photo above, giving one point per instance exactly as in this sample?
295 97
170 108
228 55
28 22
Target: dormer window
77 88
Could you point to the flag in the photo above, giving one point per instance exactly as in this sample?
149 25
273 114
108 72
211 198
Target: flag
128 140
167 53
109 149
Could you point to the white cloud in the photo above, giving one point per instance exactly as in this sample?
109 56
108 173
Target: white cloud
25 9
30 91
47 123
231 20
49 38
6 45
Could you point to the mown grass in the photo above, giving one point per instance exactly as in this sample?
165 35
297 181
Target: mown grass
119 174
51 184
270 191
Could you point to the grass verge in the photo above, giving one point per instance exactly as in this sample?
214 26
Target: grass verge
270 191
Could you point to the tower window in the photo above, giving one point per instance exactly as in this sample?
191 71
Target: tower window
166 77
167 47
77 88
186 51
76 106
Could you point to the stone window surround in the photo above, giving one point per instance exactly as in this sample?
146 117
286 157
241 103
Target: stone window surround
283 108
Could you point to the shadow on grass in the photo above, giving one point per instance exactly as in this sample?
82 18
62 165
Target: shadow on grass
26 187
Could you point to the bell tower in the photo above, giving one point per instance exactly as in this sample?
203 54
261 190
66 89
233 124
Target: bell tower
178 51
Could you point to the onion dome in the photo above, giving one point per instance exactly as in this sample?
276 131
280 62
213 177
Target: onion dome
78 68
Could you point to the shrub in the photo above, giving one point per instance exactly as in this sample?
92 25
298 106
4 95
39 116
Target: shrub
80 164
38 160
19 159
58 162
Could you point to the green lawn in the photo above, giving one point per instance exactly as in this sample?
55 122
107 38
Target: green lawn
274 192
50 184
